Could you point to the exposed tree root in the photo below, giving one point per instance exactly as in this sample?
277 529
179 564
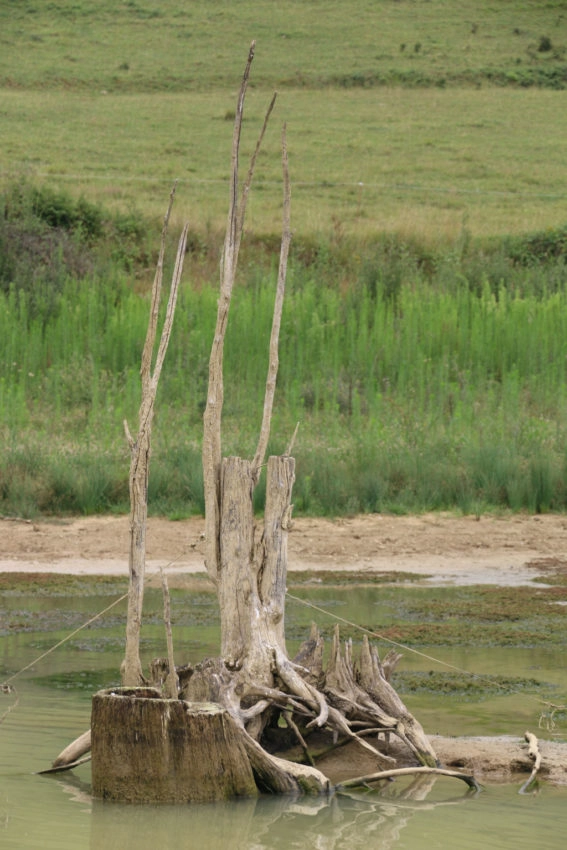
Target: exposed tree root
347 701
74 751
361 781
275 775
60 768
363 696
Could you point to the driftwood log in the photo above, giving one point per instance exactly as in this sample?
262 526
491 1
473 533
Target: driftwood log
535 755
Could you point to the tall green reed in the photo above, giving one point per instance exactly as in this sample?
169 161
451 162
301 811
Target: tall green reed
419 385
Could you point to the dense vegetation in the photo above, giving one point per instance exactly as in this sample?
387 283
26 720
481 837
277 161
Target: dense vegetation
429 380
424 344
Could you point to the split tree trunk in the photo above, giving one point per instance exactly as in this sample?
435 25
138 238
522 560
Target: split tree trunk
252 576
254 678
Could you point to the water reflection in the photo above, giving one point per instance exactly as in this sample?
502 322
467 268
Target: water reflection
423 813
353 820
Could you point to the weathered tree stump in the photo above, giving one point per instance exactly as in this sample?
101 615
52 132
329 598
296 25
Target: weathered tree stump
146 749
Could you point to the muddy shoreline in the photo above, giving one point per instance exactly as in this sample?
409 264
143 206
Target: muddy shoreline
444 549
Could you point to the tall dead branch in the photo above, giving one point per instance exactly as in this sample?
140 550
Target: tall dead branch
273 363
254 676
140 449
212 443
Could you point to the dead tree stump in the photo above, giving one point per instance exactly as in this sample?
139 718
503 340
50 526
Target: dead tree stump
146 749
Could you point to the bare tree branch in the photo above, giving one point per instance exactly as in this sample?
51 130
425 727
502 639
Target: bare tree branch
147 353
241 214
277 317
289 449
231 238
140 450
171 682
212 418
171 304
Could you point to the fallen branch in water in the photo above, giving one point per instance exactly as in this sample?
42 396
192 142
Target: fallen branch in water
61 767
359 781
73 752
535 755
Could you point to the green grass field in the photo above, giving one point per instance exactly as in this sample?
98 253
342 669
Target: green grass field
424 343
152 46
407 161
443 111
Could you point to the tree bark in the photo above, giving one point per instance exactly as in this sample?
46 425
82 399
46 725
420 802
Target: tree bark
140 452
147 749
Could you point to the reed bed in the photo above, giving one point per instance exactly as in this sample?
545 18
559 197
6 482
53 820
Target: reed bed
418 386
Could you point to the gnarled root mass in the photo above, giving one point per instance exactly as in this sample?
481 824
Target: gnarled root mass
300 709
303 701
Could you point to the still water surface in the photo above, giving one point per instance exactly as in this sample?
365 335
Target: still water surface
58 812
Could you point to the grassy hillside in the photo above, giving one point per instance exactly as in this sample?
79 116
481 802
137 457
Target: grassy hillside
146 45
429 161
445 112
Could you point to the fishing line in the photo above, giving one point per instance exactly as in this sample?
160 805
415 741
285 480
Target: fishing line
406 648
6 687
382 637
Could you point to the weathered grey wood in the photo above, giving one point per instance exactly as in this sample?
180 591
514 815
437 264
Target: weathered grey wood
359 781
273 359
366 695
212 417
150 750
250 574
74 750
140 451
171 684
376 685
236 586
279 776
145 747
535 755
277 520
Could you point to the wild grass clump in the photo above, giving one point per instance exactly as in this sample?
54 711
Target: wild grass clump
40 478
423 379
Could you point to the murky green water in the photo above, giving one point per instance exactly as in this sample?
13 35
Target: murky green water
54 707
